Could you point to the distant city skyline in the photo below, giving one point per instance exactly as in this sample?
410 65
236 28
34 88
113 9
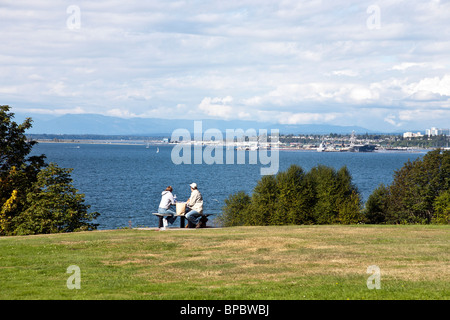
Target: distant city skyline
433 131
382 65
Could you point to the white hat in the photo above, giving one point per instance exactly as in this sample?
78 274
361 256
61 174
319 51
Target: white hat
193 185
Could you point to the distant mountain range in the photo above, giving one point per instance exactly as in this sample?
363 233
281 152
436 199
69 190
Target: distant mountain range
105 125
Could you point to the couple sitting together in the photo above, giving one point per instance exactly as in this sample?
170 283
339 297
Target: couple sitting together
194 206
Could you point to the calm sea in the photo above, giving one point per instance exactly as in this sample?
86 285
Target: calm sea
124 182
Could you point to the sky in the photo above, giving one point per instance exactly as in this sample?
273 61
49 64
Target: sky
382 65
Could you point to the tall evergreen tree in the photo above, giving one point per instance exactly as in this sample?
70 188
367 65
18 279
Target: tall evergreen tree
263 202
376 206
295 197
326 191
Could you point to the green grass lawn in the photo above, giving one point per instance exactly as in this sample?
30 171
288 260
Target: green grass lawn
288 263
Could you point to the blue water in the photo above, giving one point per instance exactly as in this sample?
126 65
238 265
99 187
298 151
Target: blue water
124 182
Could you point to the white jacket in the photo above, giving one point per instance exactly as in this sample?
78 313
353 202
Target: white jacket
166 200
195 202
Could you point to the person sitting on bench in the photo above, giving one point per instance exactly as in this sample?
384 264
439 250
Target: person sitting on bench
167 200
194 206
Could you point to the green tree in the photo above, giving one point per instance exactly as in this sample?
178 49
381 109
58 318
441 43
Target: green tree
34 198
417 184
14 146
263 202
323 196
376 206
18 170
326 189
14 188
350 209
288 185
295 197
411 198
236 210
442 208
337 199
348 199
54 205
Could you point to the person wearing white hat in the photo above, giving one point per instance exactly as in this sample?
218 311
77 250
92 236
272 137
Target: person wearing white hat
194 206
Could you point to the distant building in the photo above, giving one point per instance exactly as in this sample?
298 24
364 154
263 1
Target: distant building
412 135
432 132
436 132
444 132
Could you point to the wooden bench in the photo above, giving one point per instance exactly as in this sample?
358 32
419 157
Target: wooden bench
161 216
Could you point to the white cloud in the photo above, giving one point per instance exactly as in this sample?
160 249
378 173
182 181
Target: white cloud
58 89
304 61
316 93
391 119
434 85
346 72
57 111
305 118
406 65
217 107
413 115
122 113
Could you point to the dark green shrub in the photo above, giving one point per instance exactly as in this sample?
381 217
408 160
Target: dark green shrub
417 194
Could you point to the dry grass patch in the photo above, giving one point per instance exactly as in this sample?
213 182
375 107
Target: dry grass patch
284 252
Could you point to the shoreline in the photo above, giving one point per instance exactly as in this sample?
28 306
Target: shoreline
112 142
160 143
